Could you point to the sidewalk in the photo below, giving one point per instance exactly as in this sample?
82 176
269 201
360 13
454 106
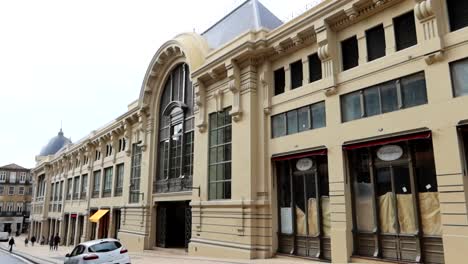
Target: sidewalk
41 255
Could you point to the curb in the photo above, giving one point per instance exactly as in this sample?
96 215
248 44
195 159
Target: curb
34 260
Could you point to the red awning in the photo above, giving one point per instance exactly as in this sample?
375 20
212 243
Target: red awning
384 141
299 155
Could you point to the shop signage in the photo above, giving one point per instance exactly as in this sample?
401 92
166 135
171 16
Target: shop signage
390 152
73 215
304 164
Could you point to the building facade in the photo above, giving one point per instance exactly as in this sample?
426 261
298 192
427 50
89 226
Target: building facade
340 135
15 198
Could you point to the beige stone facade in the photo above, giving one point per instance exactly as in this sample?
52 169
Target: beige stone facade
15 198
339 135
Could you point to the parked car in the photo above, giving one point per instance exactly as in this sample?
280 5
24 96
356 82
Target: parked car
107 250
4 236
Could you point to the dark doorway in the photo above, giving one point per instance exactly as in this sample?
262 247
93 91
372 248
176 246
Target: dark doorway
7 227
172 224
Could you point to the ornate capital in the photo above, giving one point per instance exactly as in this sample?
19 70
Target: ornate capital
323 52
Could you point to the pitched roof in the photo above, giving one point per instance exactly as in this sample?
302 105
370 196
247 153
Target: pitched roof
13 166
250 15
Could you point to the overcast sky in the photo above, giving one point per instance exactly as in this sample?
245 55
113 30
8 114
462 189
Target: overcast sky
82 62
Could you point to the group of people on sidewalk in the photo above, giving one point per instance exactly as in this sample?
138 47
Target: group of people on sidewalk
54 242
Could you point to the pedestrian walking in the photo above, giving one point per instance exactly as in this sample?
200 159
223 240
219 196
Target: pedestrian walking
33 240
56 241
26 241
42 240
51 243
11 243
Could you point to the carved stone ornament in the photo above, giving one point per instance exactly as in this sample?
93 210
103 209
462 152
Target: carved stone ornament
424 10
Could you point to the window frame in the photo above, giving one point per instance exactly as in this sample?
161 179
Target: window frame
216 146
296 72
299 129
345 42
279 81
399 90
107 182
400 44
373 33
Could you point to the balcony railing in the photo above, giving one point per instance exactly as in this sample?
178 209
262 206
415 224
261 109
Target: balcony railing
13 213
173 185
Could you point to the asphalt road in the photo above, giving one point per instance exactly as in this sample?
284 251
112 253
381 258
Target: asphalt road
6 258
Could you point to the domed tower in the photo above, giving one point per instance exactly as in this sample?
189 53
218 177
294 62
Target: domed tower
55 144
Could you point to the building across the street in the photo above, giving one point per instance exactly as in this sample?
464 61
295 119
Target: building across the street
341 135
15 198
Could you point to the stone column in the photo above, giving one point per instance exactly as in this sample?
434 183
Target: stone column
111 228
287 78
85 228
67 239
452 188
76 238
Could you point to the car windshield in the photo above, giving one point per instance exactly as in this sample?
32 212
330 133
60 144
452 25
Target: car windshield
105 247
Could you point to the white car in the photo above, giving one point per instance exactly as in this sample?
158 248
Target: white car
98 251
4 236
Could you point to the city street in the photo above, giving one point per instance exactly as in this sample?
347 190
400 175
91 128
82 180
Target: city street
6 257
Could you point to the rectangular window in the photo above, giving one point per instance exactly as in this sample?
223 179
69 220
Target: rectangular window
458 14
351 106
291 116
3 176
279 81
303 116
11 190
375 39
349 53
397 94
405 31
119 180
298 120
220 156
459 73
84 186
69 189
464 143
107 188
278 125
315 68
76 187
96 183
21 190
296 74
318 115
135 174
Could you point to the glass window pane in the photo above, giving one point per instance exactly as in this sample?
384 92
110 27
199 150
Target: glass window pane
213 154
363 191
220 151
213 121
304 118
405 31
318 115
220 136
227 152
227 190
414 90
300 205
220 190
212 194
386 200
212 173
372 101
220 172
227 171
459 71
351 106
278 125
220 118
388 95
227 134
375 38
292 122
213 138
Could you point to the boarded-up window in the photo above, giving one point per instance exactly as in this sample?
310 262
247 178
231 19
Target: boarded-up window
349 53
375 38
315 68
296 74
279 81
458 14
405 31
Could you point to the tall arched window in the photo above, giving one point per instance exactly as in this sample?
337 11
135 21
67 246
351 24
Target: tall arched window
176 123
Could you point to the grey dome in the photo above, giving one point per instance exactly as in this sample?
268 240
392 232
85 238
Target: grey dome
55 144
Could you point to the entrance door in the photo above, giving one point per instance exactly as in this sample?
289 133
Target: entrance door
397 214
173 224
304 214
161 226
395 202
